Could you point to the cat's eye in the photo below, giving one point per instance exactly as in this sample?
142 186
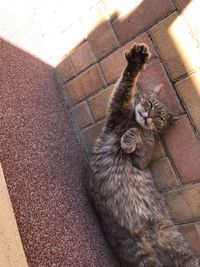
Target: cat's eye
150 104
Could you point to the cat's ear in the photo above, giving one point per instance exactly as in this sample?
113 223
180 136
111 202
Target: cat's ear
174 117
157 90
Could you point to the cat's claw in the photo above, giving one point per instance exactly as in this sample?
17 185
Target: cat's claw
138 54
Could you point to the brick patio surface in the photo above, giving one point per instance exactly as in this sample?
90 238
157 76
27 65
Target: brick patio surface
171 29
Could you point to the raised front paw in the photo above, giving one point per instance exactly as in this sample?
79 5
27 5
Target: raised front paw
137 55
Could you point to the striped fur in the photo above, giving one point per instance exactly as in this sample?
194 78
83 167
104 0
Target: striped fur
132 212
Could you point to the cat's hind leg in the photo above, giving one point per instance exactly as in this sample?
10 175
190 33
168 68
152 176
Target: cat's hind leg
173 247
131 249
134 252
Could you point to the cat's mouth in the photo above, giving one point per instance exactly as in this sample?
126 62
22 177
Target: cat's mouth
143 119
146 119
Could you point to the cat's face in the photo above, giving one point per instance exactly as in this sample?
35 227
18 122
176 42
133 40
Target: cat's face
151 113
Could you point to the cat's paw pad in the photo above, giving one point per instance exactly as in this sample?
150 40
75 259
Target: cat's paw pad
138 54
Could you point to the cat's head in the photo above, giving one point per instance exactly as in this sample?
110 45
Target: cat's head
151 113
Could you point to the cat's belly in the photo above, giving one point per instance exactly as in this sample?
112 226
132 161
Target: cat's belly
128 193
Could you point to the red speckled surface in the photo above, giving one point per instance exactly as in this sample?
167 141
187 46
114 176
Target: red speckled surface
45 167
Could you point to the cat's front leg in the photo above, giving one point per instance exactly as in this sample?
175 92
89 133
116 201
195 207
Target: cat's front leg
120 102
130 139
136 59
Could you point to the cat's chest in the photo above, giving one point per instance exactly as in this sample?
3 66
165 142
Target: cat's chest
148 139
144 148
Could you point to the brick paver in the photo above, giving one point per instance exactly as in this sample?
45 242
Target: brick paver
184 148
99 103
100 34
82 56
191 233
189 90
190 11
65 70
184 203
84 85
176 45
82 114
141 18
163 174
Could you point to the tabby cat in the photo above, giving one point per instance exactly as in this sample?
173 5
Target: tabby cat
132 212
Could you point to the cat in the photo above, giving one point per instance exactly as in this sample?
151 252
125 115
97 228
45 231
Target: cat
132 212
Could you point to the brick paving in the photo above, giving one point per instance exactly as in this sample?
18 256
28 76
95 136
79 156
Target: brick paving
171 30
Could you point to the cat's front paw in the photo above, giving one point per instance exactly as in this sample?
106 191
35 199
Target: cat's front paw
130 139
137 55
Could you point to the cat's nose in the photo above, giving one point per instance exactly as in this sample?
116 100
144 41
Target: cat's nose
145 114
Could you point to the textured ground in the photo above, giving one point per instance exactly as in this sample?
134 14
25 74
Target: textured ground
45 167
